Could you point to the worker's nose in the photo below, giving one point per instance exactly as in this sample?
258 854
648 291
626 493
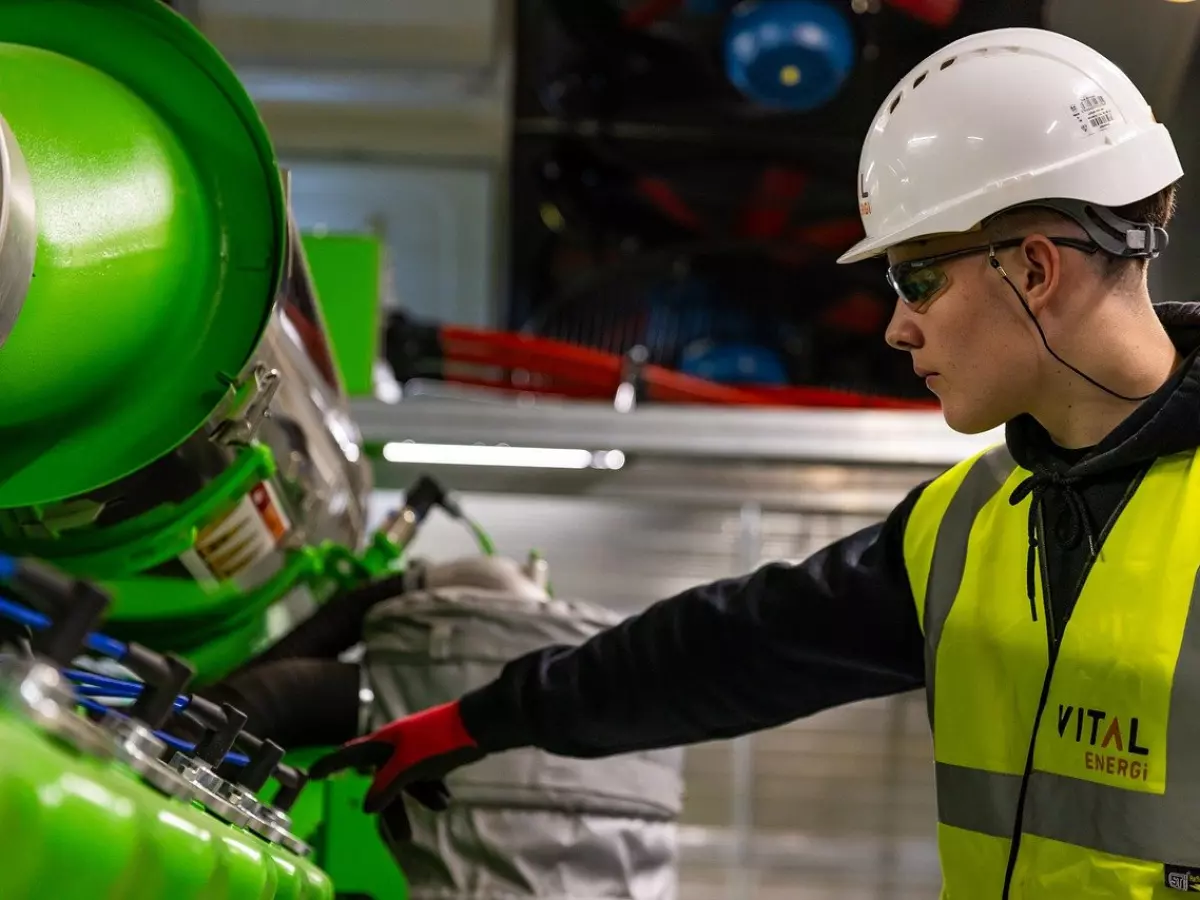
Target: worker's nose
903 332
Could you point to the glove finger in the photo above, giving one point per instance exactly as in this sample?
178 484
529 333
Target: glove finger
433 795
363 755
384 792
389 782
397 773
394 823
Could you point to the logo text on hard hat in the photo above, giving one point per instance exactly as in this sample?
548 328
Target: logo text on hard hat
864 203
1112 743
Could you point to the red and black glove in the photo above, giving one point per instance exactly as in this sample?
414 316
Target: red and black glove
410 755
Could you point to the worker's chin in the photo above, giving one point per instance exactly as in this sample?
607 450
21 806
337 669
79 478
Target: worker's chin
967 418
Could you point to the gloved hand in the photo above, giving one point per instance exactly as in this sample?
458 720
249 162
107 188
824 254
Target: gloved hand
412 755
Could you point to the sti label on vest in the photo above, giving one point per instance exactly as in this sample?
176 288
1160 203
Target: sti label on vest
1109 744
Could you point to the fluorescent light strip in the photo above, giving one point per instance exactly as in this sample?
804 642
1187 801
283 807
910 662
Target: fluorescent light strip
502 455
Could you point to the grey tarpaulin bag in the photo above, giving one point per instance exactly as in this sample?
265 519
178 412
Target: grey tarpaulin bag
524 823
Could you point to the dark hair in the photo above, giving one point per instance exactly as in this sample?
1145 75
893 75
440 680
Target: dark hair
1157 209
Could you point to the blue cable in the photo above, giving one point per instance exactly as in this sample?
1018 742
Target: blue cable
106 646
89 683
237 759
89 690
92 705
97 643
118 686
22 614
234 759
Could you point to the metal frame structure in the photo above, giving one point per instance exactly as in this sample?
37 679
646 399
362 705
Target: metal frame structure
879 438
754 463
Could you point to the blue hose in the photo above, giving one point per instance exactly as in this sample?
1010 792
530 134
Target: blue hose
97 643
91 690
106 646
23 614
236 759
92 685
117 687
88 684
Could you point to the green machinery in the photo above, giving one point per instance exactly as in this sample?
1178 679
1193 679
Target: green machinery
80 824
174 429
348 270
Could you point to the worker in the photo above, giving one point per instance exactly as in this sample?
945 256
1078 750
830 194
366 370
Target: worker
1040 592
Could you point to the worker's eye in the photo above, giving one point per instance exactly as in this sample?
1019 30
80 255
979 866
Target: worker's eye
917 282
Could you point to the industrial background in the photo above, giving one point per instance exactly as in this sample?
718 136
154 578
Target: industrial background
589 173
525 179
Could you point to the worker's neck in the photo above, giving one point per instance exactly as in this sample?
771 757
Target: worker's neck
1127 350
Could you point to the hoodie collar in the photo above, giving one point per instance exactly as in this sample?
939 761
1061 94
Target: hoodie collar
1167 422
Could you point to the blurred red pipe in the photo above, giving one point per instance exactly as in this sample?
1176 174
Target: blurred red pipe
557 367
932 12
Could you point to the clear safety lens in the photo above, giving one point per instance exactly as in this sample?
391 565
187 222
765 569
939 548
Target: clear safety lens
917 283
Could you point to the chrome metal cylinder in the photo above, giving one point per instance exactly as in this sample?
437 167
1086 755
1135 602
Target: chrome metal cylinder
18 230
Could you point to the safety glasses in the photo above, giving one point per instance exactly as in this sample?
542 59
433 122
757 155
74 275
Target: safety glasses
918 282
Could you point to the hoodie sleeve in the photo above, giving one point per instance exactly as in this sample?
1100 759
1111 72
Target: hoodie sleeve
720 660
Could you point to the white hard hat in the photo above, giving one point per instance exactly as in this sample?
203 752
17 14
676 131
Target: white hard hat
1000 119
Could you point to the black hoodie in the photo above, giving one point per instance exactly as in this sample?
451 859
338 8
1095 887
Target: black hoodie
744 654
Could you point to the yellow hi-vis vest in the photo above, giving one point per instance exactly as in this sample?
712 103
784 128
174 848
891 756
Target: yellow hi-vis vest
1082 765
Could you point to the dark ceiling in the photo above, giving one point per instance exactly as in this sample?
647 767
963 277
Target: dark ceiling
654 204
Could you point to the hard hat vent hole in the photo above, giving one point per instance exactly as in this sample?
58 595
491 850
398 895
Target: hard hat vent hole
920 78
895 103
948 63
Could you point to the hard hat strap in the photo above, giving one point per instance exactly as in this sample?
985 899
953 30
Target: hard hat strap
1114 234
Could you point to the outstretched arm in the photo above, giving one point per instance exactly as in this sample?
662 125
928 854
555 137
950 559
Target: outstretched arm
723 659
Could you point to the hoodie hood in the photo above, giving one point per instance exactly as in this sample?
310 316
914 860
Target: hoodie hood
1167 422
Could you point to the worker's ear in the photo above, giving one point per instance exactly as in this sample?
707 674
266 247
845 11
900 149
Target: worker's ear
1040 271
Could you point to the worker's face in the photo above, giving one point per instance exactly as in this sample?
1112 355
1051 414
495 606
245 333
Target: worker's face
965 329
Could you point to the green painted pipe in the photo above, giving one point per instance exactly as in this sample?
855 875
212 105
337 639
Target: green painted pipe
141 187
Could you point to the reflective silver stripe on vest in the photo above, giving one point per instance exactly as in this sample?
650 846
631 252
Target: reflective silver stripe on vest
1158 827
977 800
986 476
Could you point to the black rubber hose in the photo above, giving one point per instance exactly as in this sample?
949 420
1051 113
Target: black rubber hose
334 628
296 692
295 702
